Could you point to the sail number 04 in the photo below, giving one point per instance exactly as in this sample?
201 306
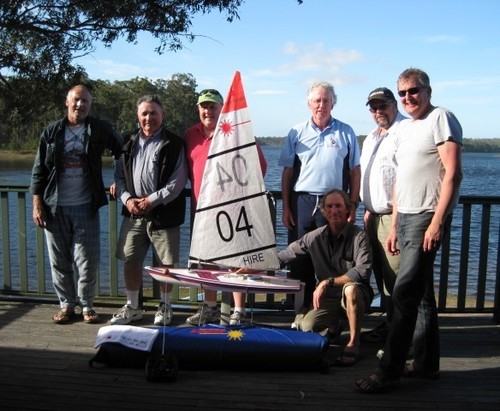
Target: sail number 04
224 221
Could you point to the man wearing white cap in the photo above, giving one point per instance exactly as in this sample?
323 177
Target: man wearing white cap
378 175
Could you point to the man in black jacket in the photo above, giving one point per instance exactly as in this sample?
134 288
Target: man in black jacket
150 178
68 191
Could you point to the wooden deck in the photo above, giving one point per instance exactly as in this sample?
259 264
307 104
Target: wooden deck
44 366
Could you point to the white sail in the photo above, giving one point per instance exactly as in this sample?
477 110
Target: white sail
232 224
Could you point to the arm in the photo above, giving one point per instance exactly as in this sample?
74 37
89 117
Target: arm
450 155
171 190
354 186
391 244
359 272
262 160
39 177
286 190
366 218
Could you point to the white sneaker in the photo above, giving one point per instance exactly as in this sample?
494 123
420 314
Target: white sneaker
163 315
235 318
205 314
126 315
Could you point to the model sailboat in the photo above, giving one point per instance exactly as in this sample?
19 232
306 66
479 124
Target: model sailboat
233 224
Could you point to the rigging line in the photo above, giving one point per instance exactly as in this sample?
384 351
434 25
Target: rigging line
236 200
220 153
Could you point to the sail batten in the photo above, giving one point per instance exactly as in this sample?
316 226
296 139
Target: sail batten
236 200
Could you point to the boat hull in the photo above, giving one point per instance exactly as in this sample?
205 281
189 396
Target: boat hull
225 280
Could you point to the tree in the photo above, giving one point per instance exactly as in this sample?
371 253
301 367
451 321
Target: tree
40 38
180 103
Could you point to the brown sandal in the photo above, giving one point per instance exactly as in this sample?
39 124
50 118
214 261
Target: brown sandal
90 317
63 316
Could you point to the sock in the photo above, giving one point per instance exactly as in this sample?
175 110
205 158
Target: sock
133 298
211 304
165 297
241 310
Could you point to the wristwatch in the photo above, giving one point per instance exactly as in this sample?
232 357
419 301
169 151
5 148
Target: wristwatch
330 282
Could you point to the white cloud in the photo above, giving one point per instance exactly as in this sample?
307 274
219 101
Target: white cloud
111 70
316 58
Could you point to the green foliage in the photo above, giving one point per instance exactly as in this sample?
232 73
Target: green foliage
481 145
40 38
23 116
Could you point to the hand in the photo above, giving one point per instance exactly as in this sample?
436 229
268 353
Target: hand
144 205
318 293
432 237
391 244
245 270
287 219
133 206
39 215
112 190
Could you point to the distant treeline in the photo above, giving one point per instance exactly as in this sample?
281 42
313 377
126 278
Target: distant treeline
470 145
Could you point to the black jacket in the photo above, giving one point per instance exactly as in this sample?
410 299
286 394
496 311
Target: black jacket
99 135
163 215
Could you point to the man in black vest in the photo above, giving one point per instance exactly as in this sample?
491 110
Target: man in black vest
150 177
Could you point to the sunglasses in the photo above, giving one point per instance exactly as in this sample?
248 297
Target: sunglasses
382 107
412 91
210 91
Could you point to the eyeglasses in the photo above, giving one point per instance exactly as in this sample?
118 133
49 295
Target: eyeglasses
382 107
319 101
412 91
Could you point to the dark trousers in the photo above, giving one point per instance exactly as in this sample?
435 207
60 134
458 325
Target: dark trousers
305 208
415 312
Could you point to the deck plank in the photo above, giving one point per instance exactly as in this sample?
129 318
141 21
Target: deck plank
44 366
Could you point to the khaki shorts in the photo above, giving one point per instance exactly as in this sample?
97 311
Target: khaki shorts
330 312
136 236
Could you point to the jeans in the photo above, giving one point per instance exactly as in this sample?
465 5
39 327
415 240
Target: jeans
415 312
73 243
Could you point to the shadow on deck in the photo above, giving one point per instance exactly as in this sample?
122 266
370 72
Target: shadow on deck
44 366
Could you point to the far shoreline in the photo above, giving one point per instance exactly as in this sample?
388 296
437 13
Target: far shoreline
11 155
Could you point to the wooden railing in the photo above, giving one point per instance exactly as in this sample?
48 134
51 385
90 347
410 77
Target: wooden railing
467 280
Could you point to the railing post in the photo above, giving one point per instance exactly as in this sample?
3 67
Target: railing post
23 253
113 238
496 306
7 280
40 260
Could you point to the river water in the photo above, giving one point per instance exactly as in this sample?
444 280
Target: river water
481 178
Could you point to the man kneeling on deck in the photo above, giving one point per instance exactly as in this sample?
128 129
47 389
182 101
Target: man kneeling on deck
341 255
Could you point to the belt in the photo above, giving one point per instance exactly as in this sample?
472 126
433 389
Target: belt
379 215
136 217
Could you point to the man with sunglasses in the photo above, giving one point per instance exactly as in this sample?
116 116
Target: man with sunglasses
428 176
378 174
197 145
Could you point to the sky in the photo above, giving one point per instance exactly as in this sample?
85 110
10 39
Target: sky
280 47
